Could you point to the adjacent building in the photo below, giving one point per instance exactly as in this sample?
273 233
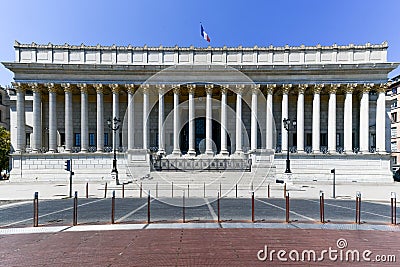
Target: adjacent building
211 109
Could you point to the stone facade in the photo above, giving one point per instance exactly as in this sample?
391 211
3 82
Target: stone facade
198 103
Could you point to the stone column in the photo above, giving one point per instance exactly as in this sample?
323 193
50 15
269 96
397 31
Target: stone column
209 141
176 151
161 147
37 118
131 116
145 90
52 117
285 115
224 143
84 118
380 119
348 119
100 117
316 118
364 118
270 117
115 88
239 93
21 139
300 117
254 99
68 88
332 118
192 151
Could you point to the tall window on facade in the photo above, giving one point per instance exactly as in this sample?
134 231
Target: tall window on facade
393 146
106 143
28 139
92 139
394 160
394 116
309 139
394 90
393 132
324 139
338 143
62 137
77 139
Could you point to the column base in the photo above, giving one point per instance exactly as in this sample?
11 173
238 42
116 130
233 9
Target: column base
209 153
191 153
161 152
51 152
99 151
224 153
83 151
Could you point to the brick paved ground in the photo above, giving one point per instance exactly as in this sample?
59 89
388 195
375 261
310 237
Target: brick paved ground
187 247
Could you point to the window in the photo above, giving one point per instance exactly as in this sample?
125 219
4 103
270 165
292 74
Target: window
394 160
393 146
106 139
91 139
324 139
28 139
77 139
309 139
394 90
338 139
62 136
393 104
393 132
294 139
394 117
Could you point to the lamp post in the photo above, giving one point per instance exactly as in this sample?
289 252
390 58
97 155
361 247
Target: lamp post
287 123
114 125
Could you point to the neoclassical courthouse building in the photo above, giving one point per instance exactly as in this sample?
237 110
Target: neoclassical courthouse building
210 109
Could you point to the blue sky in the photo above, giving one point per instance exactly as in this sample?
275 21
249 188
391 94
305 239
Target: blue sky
231 23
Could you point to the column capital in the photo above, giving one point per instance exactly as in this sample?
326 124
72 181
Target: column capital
20 87
301 88
99 88
255 89
240 89
115 88
52 87
349 88
145 88
191 88
333 88
223 89
366 87
318 87
286 88
130 88
176 89
271 88
161 88
209 88
68 88
83 87
382 88
36 87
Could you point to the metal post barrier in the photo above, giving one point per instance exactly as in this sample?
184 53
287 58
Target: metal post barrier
321 207
105 190
236 190
75 212
284 190
358 207
252 187
183 206
36 209
123 190
188 190
148 207
172 189
140 189
204 190
393 208
87 190
252 206
157 190
287 206
218 208
269 191
113 207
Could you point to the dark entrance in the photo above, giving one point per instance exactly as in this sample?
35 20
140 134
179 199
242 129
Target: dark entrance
200 134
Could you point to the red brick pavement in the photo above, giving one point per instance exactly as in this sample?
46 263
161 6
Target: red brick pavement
187 247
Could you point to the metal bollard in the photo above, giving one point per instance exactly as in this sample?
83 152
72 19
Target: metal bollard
287 206
218 208
75 212
148 207
252 206
204 190
157 190
87 190
188 190
105 190
36 209
358 207
123 190
183 206
393 208
140 189
236 190
172 189
113 207
269 191
252 187
284 190
321 207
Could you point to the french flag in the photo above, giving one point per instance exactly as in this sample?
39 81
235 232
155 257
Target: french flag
204 34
